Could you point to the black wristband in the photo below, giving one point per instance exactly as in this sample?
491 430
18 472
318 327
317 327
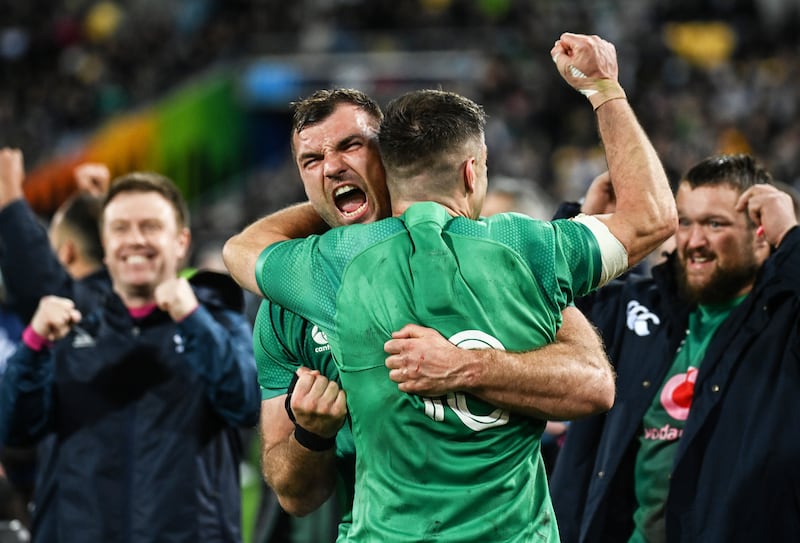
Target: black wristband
312 441
288 403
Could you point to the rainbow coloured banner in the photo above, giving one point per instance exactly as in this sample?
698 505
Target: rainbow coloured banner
196 136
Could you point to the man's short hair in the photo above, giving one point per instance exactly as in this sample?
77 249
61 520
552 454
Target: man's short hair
151 182
739 171
79 216
421 130
322 103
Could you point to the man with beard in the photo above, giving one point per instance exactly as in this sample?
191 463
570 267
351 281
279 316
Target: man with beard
700 445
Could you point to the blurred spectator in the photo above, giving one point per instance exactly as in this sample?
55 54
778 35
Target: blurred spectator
14 517
75 235
75 239
159 373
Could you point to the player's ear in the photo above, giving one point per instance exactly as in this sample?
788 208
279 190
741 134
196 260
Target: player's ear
67 253
762 247
469 175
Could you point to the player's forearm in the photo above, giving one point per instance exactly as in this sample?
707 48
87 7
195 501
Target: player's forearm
645 208
565 383
301 479
240 254
241 251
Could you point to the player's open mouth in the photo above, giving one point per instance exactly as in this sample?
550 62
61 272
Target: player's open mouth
350 200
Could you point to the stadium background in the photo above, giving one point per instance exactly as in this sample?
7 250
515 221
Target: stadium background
199 89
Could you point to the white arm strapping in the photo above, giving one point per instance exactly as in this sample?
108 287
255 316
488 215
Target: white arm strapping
613 254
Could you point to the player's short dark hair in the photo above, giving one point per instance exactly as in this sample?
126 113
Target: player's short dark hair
321 104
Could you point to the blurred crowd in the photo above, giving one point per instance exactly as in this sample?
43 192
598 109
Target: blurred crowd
706 76
703 76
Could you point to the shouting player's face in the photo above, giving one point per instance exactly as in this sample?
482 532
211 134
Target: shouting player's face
340 165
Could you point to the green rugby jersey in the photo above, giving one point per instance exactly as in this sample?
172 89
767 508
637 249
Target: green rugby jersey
282 342
452 468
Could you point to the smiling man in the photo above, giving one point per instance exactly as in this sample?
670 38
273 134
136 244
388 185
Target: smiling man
699 446
141 380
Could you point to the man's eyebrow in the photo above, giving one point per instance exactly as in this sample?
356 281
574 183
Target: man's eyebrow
707 217
341 144
308 154
347 140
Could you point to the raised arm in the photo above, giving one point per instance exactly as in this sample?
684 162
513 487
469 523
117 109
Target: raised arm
31 269
645 213
771 209
241 251
564 380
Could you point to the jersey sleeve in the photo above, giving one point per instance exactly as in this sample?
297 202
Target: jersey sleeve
564 255
304 275
294 275
579 258
274 334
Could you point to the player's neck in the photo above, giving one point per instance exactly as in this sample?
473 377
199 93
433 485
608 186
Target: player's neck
452 207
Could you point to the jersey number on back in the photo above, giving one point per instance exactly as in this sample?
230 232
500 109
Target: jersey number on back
457 401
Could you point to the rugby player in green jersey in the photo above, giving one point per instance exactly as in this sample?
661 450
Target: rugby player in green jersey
516 486
567 379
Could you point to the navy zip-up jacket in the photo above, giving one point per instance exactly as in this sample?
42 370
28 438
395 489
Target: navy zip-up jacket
736 472
139 416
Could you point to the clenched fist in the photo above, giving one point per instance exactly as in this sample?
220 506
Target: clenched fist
55 317
176 297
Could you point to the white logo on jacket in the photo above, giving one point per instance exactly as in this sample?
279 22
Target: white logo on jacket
639 318
180 344
8 346
82 339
